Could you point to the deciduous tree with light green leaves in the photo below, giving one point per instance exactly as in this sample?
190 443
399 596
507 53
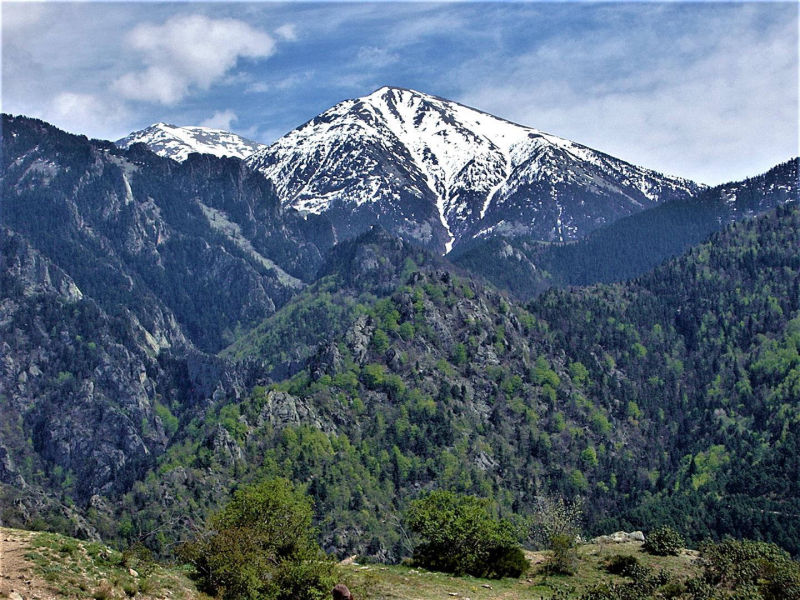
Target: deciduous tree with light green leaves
262 546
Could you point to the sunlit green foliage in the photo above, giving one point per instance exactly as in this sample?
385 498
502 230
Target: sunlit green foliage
458 534
261 546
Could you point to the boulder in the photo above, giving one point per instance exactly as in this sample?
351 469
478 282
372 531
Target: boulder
341 592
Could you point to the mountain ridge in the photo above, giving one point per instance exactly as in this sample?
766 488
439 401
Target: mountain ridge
631 245
393 372
436 171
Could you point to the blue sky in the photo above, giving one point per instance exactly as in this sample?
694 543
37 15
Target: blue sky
708 91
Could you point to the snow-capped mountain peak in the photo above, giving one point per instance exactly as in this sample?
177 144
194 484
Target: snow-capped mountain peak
440 172
177 143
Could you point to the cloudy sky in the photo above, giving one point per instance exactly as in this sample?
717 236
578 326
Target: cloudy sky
703 90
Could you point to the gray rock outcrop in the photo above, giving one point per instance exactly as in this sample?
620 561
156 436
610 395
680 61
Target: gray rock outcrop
618 537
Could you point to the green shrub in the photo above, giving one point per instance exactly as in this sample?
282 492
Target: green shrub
262 546
556 525
697 589
564 557
130 587
663 541
644 585
506 562
673 589
623 565
741 564
139 558
457 534
103 592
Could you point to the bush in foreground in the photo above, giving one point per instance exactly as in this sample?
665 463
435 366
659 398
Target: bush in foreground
556 526
732 570
457 534
736 564
262 546
663 541
564 555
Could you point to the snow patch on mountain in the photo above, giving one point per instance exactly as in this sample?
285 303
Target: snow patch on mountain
177 143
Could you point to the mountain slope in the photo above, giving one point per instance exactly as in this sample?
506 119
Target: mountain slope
440 173
167 240
648 399
74 384
667 399
171 141
118 269
632 245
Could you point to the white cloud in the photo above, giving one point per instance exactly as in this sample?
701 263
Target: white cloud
286 83
294 80
220 120
19 15
188 52
710 106
88 114
259 87
287 32
374 57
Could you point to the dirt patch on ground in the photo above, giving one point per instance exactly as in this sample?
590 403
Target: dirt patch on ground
17 579
536 558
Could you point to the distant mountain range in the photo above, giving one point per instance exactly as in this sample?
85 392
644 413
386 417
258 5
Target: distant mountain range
439 173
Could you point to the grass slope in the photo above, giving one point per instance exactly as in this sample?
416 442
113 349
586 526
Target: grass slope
382 582
49 566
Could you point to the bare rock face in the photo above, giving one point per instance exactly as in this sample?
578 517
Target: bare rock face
224 447
359 336
327 361
8 473
74 378
282 409
32 272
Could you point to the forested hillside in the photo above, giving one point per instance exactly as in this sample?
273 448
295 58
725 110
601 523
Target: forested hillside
194 249
651 399
169 333
714 336
116 267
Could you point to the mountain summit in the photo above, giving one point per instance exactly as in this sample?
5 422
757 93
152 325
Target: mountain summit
441 173
433 171
177 143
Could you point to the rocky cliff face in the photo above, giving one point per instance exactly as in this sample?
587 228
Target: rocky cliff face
77 385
